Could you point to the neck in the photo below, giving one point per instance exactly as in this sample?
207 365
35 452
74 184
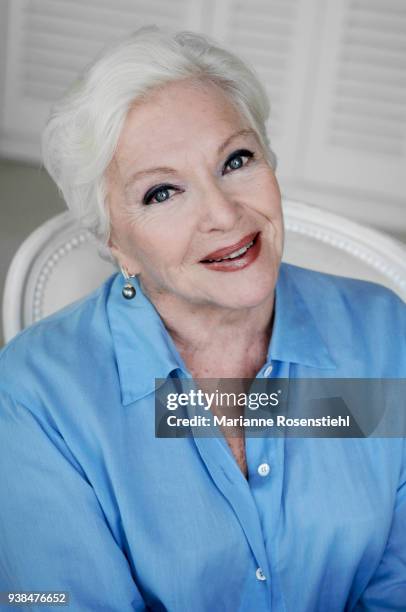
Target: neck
218 341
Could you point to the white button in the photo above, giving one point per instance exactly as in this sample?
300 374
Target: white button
260 574
268 371
264 469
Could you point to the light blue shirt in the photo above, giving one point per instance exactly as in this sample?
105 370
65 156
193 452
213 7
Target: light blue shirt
94 504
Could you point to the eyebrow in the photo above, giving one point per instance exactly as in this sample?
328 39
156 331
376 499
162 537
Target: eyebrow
167 170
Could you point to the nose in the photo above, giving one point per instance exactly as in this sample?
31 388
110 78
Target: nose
219 208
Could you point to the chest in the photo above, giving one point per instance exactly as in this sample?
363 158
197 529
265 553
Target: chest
237 447
196 502
234 436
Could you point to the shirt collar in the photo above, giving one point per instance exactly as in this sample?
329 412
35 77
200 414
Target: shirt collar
144 349
296 336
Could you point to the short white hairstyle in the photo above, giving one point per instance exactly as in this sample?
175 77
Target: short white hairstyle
81 136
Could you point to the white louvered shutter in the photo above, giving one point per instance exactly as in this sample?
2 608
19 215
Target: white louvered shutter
50 41
356 130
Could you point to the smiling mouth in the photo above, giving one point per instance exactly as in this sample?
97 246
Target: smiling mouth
235 254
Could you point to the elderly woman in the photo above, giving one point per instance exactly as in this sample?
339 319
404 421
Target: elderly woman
161 150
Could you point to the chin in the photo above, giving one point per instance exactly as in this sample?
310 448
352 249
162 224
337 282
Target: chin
247 297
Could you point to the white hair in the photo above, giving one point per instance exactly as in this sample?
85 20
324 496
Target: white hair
82 133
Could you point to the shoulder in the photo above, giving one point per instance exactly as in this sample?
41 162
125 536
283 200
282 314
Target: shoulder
57 346
320 289
363 323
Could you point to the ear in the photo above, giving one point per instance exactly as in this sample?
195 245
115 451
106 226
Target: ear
122 259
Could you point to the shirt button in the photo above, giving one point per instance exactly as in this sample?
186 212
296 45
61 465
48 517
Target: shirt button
260 574
268 371
264 469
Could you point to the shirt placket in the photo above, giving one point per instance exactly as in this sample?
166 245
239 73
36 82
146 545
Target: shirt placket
265 457
228 478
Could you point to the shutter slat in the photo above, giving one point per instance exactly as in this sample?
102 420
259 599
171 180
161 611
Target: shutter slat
396 7
369 127
365 145
355 108
364 92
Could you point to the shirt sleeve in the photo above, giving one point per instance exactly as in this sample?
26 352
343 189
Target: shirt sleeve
53 533
387 589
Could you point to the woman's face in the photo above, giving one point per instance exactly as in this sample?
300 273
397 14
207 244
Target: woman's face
190 183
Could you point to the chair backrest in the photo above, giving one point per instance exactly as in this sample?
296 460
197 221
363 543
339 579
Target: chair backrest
59 262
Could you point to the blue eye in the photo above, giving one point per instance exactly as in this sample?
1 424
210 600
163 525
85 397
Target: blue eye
159 194
236 160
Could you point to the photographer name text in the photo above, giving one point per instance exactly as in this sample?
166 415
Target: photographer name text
241 421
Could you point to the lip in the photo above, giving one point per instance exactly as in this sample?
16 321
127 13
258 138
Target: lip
220 253
238 263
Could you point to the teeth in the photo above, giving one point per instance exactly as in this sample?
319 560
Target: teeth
234 254
240 251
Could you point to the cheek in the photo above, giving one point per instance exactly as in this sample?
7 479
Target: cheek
159 239
262 189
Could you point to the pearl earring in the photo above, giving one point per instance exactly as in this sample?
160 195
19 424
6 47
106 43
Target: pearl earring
128 292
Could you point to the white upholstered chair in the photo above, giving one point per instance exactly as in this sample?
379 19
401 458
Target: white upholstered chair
59 262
